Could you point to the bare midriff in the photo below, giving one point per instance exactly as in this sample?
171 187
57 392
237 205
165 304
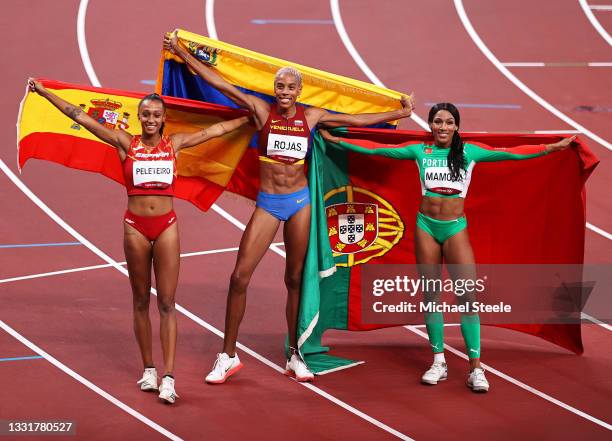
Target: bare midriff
280 178
153 205
442 208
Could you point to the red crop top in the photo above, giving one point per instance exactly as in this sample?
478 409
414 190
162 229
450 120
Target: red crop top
150 170
284 139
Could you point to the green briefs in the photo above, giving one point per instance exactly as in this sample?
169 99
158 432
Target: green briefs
439 229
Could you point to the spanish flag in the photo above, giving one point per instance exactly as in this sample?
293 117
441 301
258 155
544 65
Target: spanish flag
204 170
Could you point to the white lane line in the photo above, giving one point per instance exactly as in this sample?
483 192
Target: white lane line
601 7
518 83
82 40
524 64
556 132
231 219
598 230
520 384
590 318
84 381
594 22
348 44
210 19
108 265
558 64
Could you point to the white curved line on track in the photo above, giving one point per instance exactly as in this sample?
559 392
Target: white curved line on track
82 40
513 380
348 44
594 22
210 19
518 83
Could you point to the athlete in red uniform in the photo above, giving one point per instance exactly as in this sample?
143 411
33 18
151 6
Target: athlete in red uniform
284 130
150 231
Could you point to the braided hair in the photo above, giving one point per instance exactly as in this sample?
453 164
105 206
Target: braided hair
154 97
456 160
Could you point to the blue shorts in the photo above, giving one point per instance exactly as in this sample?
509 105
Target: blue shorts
283 206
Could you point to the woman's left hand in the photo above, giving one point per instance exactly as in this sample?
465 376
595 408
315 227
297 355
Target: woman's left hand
407 103
328 136
561 145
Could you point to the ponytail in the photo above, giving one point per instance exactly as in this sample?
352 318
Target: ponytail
456 159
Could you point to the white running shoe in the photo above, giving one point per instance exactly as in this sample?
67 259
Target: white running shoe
437 372
166 390
477 381
297 368
148 380
224 367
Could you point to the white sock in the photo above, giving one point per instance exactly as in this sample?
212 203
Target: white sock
439 357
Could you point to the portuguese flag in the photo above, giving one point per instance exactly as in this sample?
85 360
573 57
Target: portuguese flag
516 210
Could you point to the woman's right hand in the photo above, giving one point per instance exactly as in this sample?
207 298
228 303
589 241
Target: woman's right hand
35 86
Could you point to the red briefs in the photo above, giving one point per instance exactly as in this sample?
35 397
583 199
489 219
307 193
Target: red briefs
150 226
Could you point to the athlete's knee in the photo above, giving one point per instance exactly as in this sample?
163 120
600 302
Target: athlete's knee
141 301
293 281
165 305
239 281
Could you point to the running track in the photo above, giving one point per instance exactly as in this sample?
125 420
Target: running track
81 319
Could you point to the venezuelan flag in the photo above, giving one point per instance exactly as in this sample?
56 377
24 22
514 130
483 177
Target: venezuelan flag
253 73
204 170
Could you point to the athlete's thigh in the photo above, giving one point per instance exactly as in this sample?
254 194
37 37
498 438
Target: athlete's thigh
457 249
138 254
256 239
459 257
428 254
166 260
426 249
296 233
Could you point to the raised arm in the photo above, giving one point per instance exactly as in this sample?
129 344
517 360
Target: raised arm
369 148
116 138
255 105
366 119
186 140
483 153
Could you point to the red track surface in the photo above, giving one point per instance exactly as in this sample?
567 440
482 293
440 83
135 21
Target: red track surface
83 319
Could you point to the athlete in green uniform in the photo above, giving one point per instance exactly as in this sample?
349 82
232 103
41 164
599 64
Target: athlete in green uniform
445 169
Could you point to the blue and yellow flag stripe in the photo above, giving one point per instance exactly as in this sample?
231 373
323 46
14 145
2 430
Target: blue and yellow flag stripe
253 73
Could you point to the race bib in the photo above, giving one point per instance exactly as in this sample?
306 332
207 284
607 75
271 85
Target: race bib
437 180
287 145
153 173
